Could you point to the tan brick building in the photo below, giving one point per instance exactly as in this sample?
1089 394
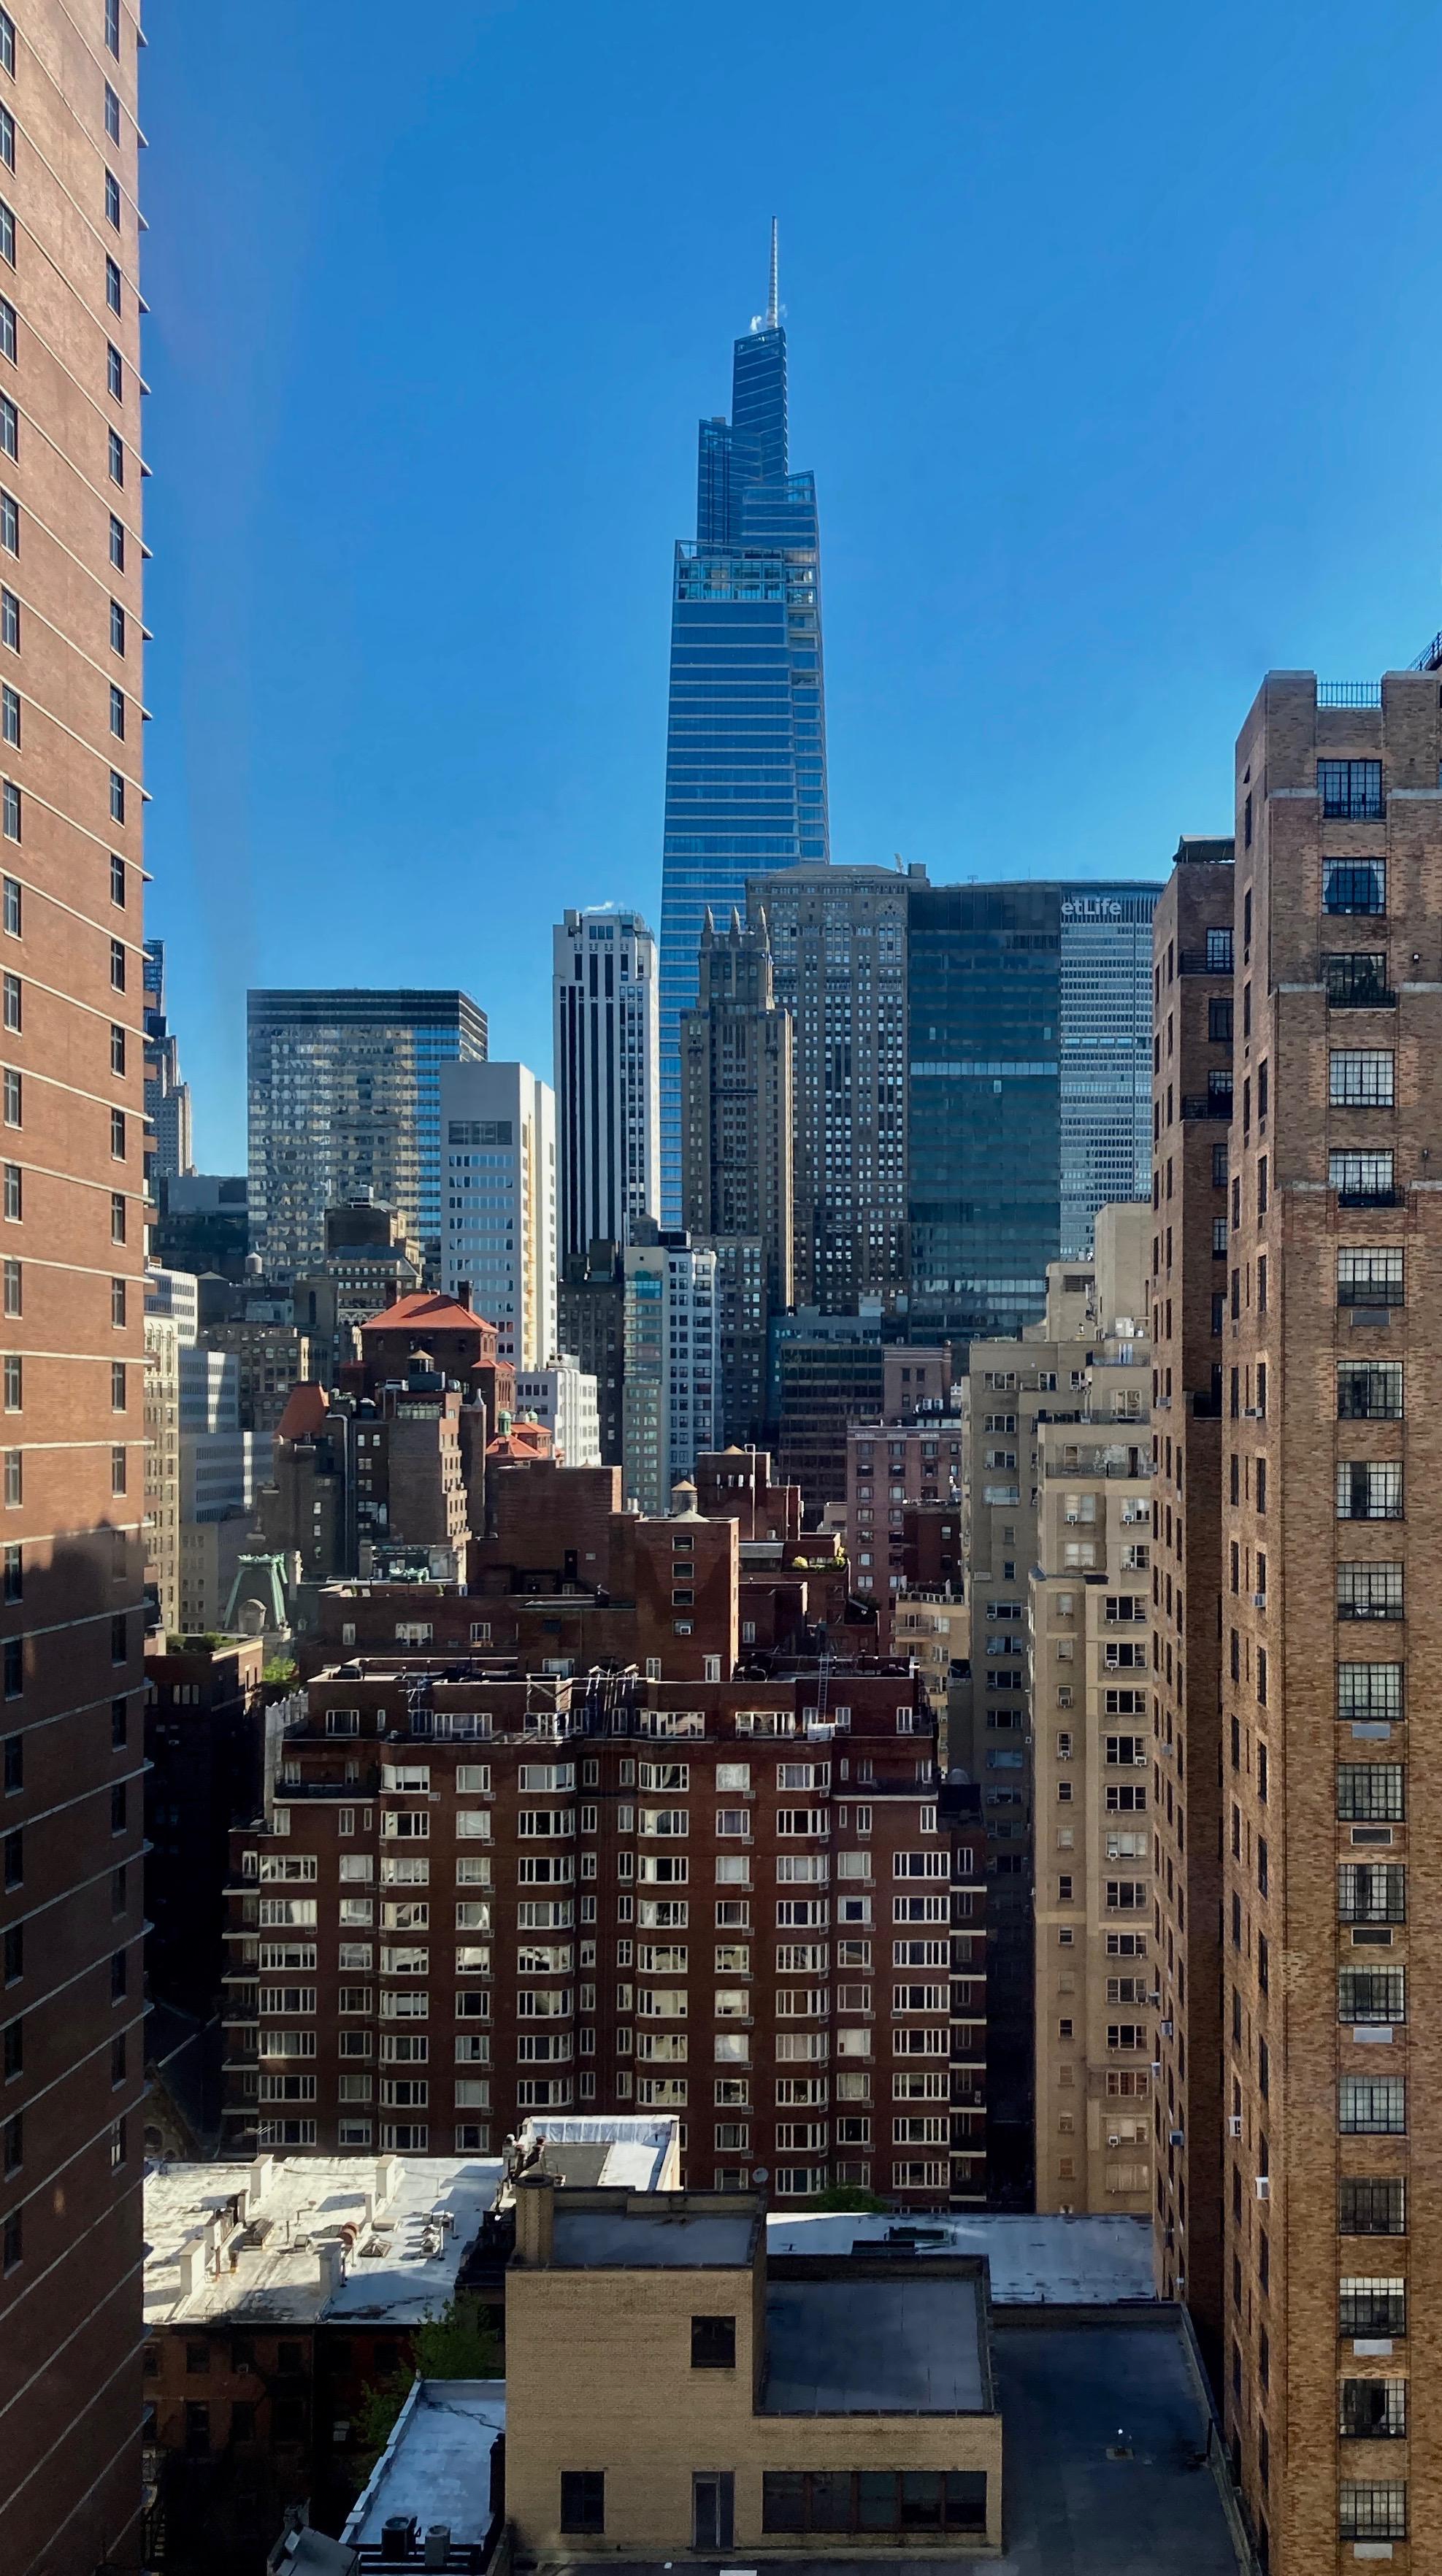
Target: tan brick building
1330 1610
71 1207
671 2391
1191 1112
1089 1653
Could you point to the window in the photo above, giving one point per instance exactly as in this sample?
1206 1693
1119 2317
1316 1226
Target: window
1370 1793
1356 979
117 797
117 543
1369 1391
1369 1591
10 716
13 903
1373 2410
112 114
112 199
1372 1892
117 965
112 283
14 2240
115 455
1350 790
12 1004
117 1047
14 1478
7 43
1361 1176
713 2343
1371 2208
1369 1489
117 1135
8 334
1367 1691
1362 1078
117 1216
583 2500
114 372
867 2501
10 810
1371 1995
1370 1277
112 27
7 138
1219 1022
117 643
117 712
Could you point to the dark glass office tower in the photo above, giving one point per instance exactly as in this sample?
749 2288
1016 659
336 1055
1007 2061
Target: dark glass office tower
985 1105
1029 1038
746 739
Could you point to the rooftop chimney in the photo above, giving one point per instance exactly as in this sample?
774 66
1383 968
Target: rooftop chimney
258 2182
463 1293
535 2217
332 2270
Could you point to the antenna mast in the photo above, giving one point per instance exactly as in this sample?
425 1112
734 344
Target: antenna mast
773 305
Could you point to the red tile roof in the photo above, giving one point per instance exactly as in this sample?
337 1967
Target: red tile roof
306 1408
424 1311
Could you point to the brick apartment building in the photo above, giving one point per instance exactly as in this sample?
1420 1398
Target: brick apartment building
474 1901
1192 1062
1089 1604
1332 1621
71 943
890 1465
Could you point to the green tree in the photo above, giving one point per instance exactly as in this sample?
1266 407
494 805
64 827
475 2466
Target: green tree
455 2345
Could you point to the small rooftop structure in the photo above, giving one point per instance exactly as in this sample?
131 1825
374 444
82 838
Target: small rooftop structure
437 2471
620 2154
292 2240
864 2345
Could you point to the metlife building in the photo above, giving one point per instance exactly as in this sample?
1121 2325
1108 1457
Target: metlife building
1029 1088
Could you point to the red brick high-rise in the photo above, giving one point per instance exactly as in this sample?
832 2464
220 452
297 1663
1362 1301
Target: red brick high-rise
750 1902
72 1475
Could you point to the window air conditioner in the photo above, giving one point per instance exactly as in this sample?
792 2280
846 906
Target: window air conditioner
1264 2186
1179 2137
1259 1601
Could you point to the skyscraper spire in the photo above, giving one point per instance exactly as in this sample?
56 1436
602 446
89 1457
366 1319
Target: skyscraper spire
773 304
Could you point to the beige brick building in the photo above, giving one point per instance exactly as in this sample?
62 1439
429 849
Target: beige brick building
671 2391
1331 1790
1089 1640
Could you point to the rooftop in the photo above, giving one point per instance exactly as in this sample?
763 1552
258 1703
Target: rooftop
288 2240
921 2351
422 1307
652 2237
620 2154
437 2463
1033 2260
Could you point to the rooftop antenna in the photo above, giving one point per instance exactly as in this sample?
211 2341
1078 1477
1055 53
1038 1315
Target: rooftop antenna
773 305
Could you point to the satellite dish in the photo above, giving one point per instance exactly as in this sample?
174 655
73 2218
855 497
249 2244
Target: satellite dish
760 2174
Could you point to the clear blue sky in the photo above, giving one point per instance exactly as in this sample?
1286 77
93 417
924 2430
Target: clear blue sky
1115 344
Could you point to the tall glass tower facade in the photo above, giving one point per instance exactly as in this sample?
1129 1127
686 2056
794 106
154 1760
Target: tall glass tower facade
746 736
345 1103
1030 1046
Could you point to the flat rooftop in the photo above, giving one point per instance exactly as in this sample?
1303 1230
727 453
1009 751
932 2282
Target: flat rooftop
863 2346
651 2240
400 2265
1033 2260
1065 2393
437 2463
1071 2509
614 2153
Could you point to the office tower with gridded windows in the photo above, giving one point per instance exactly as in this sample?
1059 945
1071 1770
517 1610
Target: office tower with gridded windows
671 1394
498 1142
1029 1059
605 1001
345 1103
838 948
746 729
1331 1785
1105 1019
72 1193
170 1148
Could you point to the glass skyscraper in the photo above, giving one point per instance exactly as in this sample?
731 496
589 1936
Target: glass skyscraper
746 736
1029 1088
345 1103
